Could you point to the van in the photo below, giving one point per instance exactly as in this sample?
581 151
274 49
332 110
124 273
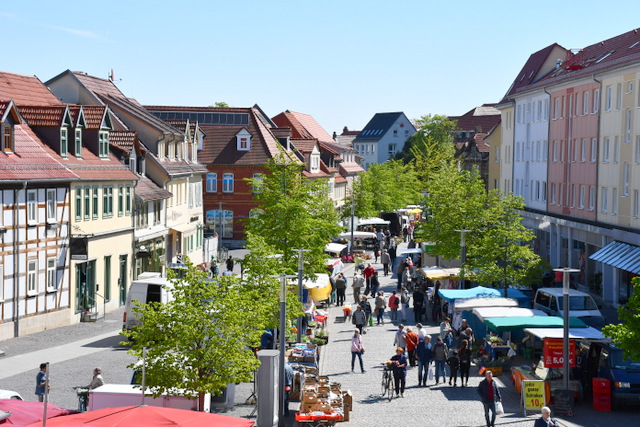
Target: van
149 287
581 305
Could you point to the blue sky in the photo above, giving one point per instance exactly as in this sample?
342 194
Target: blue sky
339 61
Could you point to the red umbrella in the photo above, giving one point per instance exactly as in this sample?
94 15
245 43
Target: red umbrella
23 412
143 416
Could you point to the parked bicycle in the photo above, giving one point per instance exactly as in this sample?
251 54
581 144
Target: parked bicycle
387 382
83 398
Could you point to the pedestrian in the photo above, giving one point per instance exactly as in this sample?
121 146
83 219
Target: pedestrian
406 276
213 267
545 420
333 294
376 253
400 338
412 345
230 263
466 334
357 350
357 285
41 382
454 365
392 255
404 303
394 303
385 259
424 360
399 371
381 305
359 318
97 379
366 307
368 272
405 233
399 272
375 284
418 305
465 363
288 383
489 394
341 287
463 327
436 309
440 353
446 333
422 335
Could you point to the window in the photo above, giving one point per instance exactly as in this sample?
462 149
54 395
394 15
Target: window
636 204
393 148
582 194
519 114
638 149
258 182
627 127
496 154
64 142
94 209
107 277
596 100
607 99
573 195
625 186
546 109
555 151
120 200
560 193
619 96
212 182
78 142
583 150
537 195
127 200
51 274
585 103
243 140
553 193
78 203
592 197
539 110
395 133
51 205
616 150
629 87
32 284
605 202
107 201
605 150
227 183
32 206
157 210
556 109
103 144
544 191
8 139
545 150
87 202
594 149
614 201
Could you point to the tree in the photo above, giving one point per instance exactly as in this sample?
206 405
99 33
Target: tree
294 212
202 340
221 104
626 334
432 139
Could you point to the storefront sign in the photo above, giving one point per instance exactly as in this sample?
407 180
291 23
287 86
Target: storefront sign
78 248
553 357
533 395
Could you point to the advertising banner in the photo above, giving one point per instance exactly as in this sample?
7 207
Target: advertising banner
553 357
533 395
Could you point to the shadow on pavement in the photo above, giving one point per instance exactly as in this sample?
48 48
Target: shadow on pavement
111 342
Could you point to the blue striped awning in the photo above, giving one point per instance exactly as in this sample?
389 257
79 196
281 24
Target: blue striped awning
619 255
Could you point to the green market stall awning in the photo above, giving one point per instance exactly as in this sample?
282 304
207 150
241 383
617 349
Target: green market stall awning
505 324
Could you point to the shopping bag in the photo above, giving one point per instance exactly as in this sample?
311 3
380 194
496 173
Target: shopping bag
370 320
431 374
499 408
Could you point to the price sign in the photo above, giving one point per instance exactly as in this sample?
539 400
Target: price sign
553 357
533 394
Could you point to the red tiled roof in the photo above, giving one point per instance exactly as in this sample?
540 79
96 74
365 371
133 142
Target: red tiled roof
350 168
304 145
315 175
123 139
339 179
93 115
25 90
148 190
479 119
303 126
43 115
480 142
98 85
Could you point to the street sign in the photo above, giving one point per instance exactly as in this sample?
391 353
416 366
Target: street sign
533 395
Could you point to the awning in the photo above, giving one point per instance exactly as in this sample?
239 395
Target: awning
319 289
411 251
574 333
185 228
335 248
493 312
470 304
358 235
373 221
619 255
504 324
477 292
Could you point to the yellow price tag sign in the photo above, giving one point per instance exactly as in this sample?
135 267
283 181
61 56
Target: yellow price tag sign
533 394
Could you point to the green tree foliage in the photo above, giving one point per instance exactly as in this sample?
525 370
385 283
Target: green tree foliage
434 135
201 341
221 104
383 188
626 334
295 212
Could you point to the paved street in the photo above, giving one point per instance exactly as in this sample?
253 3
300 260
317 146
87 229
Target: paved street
75 350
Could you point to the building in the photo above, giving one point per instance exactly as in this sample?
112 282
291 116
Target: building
383 137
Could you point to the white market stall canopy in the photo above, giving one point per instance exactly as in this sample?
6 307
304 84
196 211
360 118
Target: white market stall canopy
435 273
335 248
470 304
373 221
411 251
574 333
358 235
488 312
477 292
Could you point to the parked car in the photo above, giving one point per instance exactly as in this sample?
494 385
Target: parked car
581 305
8 394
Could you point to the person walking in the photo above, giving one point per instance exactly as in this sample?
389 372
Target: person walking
440 353
489 394
375 284
385 259
465 363
399 272
368 272
366 307
545 420
422 335
406 276
341 287
394 303
454 365
412 345
400 338
230 263
393 251
41 382
357 285
418 305
381 305
357 350
359 318
424 360
399 371
446 333
404 303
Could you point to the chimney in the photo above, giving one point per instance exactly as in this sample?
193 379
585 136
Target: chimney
345 130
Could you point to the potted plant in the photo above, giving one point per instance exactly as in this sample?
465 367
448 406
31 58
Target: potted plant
323 335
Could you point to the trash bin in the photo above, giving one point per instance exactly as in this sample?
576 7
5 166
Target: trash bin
528 352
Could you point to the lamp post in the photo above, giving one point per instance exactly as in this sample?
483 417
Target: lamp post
463 254
300 274
353 209
283 341
565 314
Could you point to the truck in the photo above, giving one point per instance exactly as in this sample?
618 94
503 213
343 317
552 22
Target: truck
148 287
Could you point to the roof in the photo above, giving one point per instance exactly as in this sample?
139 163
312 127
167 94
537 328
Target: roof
25 90
121 103
43 115
98 85
503 324
148 190
477 292
620 255
304 145
478 119
302 126
379 125
123 139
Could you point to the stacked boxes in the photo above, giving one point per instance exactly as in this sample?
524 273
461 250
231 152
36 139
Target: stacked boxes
323 400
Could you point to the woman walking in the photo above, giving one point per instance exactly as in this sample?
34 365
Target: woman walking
357 350
399 371
465 362
394 303
381 305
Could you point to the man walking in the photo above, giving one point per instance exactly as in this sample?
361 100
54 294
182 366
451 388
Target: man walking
359 318
400 339
41 382
440 353
489 394
412 344
341 287
357 285
385 259
424 360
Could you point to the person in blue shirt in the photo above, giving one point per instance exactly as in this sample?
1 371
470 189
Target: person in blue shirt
41 382
399 371
424 360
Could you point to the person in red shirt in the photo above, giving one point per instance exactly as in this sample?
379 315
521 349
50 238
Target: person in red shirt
368 272
394 304
412 345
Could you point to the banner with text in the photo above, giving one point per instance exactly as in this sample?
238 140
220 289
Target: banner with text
533 395
553 357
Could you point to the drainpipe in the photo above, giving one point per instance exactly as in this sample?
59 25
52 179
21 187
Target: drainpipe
16 261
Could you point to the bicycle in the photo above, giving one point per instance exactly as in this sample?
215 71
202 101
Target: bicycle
83 398
387 382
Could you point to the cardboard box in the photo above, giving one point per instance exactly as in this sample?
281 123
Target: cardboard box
323 407
347 409
347 397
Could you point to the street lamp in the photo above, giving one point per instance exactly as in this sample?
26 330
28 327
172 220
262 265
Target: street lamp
283 341
300 274
463 254
565 314
353 209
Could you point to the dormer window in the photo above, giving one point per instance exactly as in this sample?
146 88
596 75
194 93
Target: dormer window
7 139
243 140
315 162
64 142
78 142
103 144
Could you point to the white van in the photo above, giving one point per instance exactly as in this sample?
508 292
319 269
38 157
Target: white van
149 287
582 305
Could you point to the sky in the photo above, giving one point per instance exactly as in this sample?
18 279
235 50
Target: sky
339 61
